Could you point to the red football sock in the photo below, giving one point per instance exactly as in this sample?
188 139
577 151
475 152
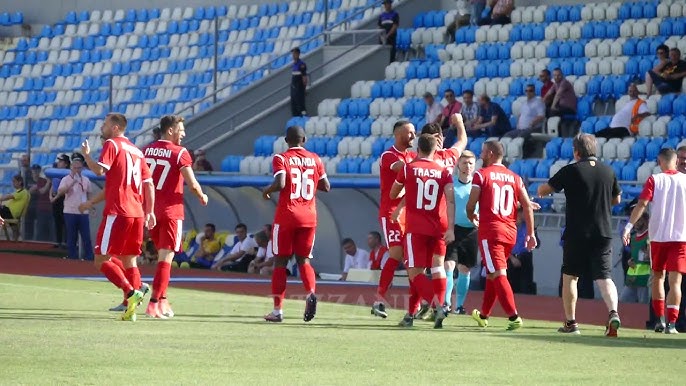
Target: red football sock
308 277
118 263
134 277
424 287
505 295
489 298
659 307
413 304
115 276
672 313
279 286
161 280
386 279
439 284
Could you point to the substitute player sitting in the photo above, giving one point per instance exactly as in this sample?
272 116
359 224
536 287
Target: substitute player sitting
170 165
428 230
298 173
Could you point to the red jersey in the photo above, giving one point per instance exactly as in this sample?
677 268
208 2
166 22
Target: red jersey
297 204
447 158
424 181
126 171
165 161
387 177
498 203
376 257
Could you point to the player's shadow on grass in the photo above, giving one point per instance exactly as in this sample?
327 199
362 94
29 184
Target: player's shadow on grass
602 341
46 316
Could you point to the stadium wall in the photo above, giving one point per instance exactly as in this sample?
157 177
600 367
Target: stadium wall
348 210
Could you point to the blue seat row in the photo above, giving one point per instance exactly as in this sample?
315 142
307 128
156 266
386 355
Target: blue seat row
388 89
638 10
673 27
430 19
494 51
358 107
231 164
356 127
493 69
647 148
323 146
672 104
357 165
605 87
563 13
8 19
419 69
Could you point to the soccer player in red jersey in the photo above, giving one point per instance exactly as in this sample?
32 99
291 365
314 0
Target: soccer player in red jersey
448 157
428 230
499 192
392 161
298 173
129 203
170 165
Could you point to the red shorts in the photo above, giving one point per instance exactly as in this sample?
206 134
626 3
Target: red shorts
494 254
119 236
420 250
668 256
392 231
288 240
167 234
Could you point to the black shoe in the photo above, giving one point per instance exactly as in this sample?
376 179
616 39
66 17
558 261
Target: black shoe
310 308
423 311
460 311
660 326
440 315
379 309
568 328
408 321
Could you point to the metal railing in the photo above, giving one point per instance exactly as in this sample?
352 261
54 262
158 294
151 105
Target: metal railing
266 68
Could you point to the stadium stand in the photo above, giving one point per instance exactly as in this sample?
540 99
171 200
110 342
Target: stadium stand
144 63
600 47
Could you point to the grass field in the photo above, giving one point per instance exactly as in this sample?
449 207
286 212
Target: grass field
56 331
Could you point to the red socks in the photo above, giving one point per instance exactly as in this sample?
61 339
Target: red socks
424 288
386 279
279 286
672 314
118 263
116 276
489 298
133 275
308 277
438 283
505 295
414 302
658 307
161 280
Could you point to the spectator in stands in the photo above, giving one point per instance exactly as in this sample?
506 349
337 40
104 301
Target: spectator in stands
25 170
453 107
75 187
477 9
470 110
560 99
626 120
242 253
492 122
667 78
298 84
389 21
38 214
662 53
201 164
62 162
14 203
681 159
520 264
531 115
433 108
544 77
462 18
264 260
209 247
378 253
497 13
354 257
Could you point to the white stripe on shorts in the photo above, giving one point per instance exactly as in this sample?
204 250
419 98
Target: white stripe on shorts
107 233
275 239
410 250
487 256
177 240
385 231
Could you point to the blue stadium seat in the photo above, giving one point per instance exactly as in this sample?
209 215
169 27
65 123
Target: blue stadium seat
679 105
552 148
675 127
653 148
664 106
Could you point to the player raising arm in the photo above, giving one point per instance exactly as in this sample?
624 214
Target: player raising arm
170 165
298 173
129 203
499 192
428 230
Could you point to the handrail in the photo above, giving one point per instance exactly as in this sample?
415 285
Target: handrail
266 67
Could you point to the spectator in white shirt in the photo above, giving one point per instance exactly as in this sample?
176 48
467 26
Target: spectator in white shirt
531 116
241 255
626 120
75 188
264 261
354 257
433 108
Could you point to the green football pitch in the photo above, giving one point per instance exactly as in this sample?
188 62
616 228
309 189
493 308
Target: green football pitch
56 331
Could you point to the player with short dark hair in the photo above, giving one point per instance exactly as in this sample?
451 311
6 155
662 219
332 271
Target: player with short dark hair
298 174
426 184
170 165
129 203
667 233
498 192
